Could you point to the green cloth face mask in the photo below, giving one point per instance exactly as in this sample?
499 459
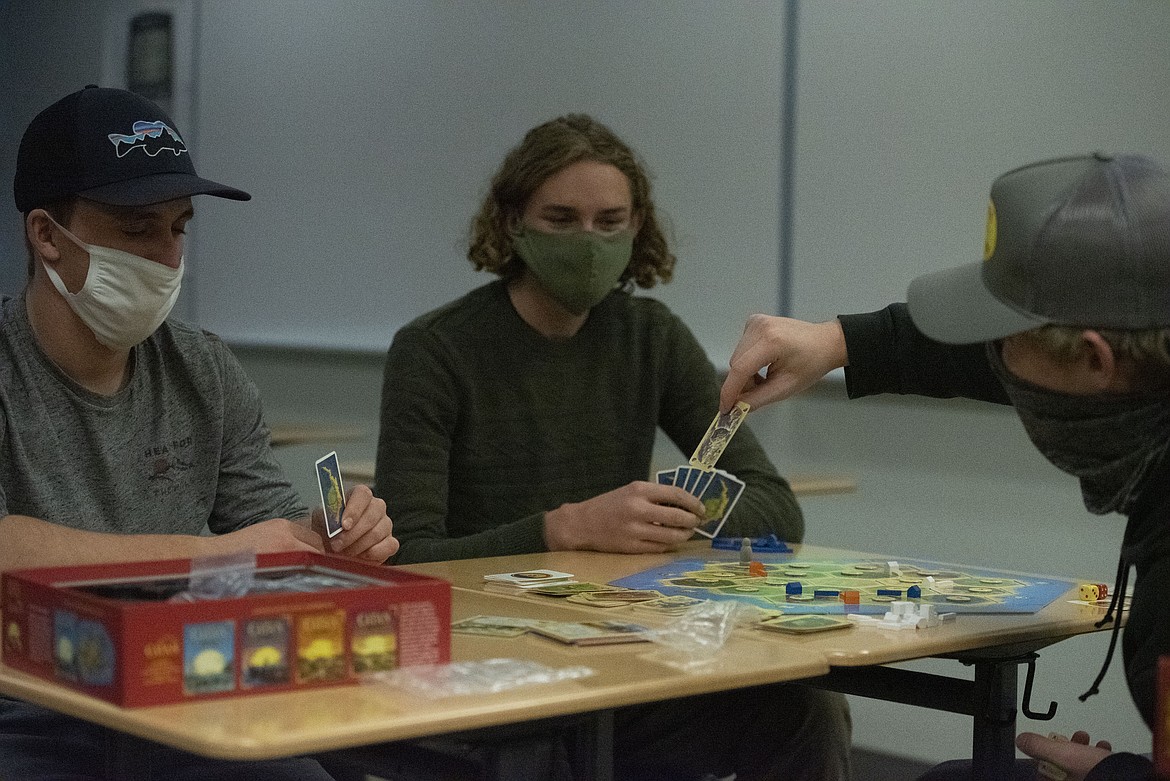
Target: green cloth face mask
579 269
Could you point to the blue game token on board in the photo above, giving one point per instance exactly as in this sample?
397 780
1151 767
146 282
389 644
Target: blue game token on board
769 544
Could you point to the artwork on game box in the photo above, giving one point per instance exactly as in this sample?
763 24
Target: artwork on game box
209 657
265 657
375 642
133 634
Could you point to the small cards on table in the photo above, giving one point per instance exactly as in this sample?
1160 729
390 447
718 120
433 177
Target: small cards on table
671 606
592 632
614 597
550 583
800 625
525 581
492 626
530 578
332 492
599 632
716 489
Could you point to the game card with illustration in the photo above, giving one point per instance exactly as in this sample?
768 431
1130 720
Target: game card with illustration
332 493
719 496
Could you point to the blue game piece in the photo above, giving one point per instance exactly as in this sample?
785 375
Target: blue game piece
825 592
889 592
914 592
793 587
769 544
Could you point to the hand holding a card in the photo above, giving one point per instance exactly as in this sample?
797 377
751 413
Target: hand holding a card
793 354
353 524
641 517
367 533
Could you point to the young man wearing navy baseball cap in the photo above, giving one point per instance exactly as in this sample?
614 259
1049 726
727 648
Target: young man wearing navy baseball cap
122 433
1067 318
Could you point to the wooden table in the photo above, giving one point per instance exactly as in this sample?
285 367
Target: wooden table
996 645
282 724
285 724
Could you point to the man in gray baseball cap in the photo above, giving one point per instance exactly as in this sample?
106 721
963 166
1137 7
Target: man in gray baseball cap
1067 318
1079 241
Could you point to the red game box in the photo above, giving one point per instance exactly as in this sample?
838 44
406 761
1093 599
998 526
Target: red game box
310 620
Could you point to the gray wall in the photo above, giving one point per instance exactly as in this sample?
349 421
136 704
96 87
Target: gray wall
906 111
33 74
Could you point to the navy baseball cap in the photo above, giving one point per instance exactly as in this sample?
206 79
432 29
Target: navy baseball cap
1078 241
107 145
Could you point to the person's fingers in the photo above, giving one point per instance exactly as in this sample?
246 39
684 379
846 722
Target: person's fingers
356 505
375 546
1072 755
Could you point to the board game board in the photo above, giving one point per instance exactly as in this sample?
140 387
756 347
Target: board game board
953 588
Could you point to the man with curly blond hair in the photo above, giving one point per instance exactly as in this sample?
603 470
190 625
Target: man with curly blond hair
522 417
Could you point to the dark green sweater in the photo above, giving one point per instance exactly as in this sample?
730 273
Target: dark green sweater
486 424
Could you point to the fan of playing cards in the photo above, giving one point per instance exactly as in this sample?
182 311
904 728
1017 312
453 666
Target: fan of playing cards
716 489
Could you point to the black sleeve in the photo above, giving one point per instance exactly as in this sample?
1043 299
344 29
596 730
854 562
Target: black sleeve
888 354
1146 635
1122 767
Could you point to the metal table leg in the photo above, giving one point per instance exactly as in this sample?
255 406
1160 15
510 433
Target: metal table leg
989 699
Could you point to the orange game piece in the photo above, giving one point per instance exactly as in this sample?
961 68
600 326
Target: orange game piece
756 568
851 596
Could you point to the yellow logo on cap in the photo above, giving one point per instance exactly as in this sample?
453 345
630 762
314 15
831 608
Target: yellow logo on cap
989 237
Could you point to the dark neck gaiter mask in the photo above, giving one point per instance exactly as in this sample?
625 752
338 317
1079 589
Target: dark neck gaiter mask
1108 441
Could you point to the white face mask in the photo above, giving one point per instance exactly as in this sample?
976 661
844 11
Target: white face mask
125 297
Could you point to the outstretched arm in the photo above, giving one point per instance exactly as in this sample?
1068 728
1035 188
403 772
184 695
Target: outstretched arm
882 352
792 354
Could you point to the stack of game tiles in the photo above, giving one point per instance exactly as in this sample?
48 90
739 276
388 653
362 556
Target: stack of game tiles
670 606
804 624
591 632
569 632
716 489
522 582
614 597
493 626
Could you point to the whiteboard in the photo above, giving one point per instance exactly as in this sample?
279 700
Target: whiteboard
367 133
907 110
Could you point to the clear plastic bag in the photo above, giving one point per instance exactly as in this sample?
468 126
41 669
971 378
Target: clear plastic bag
698 635
219 577
487 676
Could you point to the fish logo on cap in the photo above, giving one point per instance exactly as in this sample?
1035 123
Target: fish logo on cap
152 137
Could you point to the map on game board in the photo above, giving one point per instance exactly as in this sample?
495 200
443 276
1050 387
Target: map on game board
954 588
